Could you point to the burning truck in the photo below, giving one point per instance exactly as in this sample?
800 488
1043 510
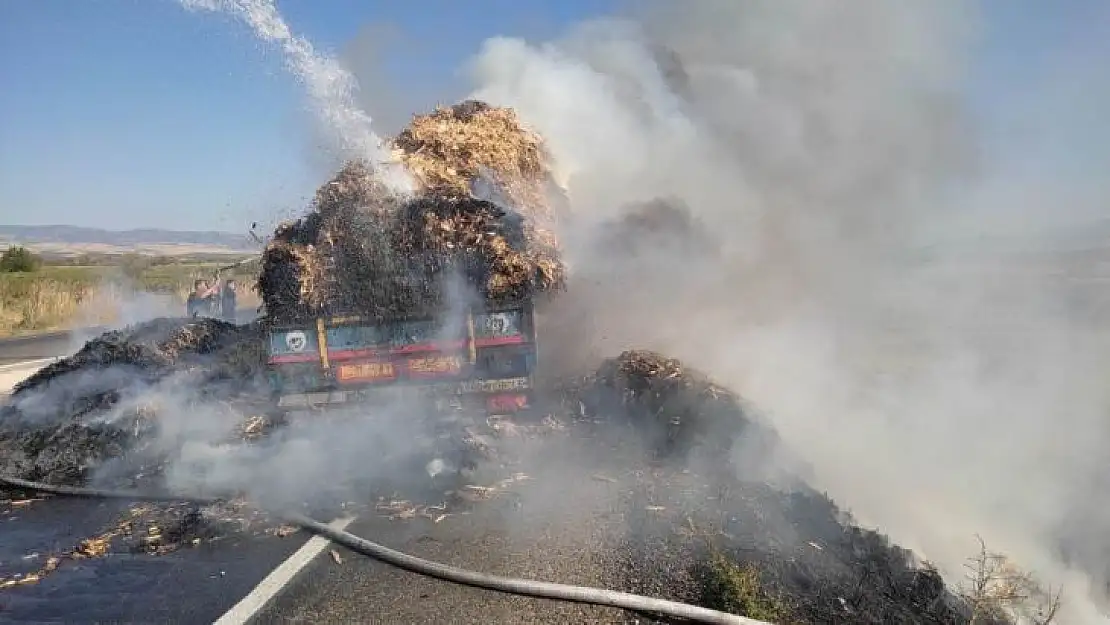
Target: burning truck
375 297
372 294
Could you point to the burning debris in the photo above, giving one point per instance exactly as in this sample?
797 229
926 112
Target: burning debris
150 351
77 413
154 529
785 556
482 212
677 409
402 509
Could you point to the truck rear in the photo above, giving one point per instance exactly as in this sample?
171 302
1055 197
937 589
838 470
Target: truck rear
479 356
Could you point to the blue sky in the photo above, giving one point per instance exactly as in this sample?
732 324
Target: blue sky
137 113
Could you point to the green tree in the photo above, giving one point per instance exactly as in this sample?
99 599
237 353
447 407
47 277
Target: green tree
18 258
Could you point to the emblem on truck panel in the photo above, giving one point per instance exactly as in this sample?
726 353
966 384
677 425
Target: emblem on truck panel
296 341
498 324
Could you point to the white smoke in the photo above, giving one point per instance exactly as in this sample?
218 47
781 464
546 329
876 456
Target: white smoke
330 87
941 384
940 390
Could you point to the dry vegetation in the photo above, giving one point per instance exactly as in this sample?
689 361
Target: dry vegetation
997 590
57 297
39 303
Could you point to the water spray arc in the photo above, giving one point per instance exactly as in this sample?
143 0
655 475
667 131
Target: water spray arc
329 86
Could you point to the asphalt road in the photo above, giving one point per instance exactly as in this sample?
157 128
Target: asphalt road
574 516
534 527
195 585
34 347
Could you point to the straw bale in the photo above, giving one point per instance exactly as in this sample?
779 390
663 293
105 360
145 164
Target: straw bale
450 148
292 280
354 189
360 248
488 243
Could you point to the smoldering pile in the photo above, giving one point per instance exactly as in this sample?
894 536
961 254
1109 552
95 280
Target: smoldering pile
74 414
783 556
101 412
714 522
153 349
678 410
483 211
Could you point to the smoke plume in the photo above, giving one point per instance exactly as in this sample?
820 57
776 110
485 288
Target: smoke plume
846 257
943 377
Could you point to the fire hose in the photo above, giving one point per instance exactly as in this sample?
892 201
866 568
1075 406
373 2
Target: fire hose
420 566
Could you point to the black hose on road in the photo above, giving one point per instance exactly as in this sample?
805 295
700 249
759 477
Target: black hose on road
420 566
92 493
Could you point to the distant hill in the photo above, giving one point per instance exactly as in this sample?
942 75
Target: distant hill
146 236
74 239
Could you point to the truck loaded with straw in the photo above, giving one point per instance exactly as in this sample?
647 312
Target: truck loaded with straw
432 291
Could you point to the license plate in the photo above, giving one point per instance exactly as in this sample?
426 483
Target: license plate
366 372
493 386
435 365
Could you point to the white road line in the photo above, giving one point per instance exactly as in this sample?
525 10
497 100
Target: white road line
11 375
28 363
279 578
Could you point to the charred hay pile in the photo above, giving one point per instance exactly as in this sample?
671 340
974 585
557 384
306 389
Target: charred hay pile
783 556
103 408
482 211
677 410
728 532
151 350
76 413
